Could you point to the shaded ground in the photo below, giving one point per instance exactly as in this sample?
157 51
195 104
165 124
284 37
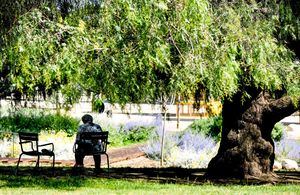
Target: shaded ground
162 175
131 163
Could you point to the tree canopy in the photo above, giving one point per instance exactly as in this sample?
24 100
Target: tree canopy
243 52
138 51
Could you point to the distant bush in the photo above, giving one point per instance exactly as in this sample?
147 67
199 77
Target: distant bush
128 133
138 134
153 147
119 137
210 127
34 120
193 151
277 132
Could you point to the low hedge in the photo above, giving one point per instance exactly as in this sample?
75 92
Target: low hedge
33 120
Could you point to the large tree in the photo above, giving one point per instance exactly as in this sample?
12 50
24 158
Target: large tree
268 86
241 52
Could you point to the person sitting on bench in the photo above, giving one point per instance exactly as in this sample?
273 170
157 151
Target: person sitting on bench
86 146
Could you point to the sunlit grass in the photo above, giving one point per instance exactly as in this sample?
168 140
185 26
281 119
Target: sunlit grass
81 185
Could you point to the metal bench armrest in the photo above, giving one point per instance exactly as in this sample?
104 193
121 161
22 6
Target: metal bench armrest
48 145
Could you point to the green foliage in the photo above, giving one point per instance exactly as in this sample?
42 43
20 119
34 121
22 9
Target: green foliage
42 56
211 127
139 51
118 136
136 54
289 20
115 137
277 132
37 121
98 105
250 55
138 134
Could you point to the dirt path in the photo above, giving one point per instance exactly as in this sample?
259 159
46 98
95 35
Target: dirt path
130 156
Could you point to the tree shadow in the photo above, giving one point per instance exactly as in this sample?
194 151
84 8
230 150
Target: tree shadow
66 179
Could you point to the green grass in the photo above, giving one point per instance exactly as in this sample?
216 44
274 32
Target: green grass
80 185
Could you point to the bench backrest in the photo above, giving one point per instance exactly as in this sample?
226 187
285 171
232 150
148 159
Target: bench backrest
95 136
32 138
28 136
103 135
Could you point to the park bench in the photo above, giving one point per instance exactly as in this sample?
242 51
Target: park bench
94 137
30 146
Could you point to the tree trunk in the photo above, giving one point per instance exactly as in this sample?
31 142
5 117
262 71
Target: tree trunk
246 148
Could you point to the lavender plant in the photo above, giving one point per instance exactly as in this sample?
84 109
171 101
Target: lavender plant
188 149
287 148
194 150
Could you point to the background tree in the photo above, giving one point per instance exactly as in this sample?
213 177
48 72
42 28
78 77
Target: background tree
37 56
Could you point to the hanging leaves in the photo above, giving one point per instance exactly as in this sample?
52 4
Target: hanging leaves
138 51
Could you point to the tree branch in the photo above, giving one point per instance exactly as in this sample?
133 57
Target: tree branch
283 107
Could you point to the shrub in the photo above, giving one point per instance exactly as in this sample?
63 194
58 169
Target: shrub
98 105
153 147
210 127
138 134
137 131
277 132
128 133
6 147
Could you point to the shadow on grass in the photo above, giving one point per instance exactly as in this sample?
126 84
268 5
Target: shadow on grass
66 179
29 177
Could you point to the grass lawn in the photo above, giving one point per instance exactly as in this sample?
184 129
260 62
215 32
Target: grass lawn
10 184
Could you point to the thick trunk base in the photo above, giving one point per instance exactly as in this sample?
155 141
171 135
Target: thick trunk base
247 149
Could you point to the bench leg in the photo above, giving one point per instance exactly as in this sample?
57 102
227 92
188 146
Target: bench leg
18 163
107 161
97 161
53 163
37 165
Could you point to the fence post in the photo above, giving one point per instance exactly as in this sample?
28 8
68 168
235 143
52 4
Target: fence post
164 109
13 139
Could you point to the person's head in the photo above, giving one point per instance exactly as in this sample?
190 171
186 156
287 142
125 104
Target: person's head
87 119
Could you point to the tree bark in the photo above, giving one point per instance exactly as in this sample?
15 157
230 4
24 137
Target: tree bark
246 148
